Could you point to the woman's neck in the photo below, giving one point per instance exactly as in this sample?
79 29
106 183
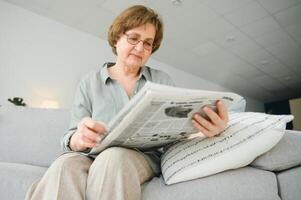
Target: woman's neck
117 71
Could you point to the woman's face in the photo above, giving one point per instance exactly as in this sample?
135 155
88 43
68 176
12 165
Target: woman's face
132 55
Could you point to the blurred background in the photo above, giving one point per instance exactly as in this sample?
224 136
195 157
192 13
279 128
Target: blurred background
251 47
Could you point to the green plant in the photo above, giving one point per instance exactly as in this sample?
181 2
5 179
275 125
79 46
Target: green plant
18 101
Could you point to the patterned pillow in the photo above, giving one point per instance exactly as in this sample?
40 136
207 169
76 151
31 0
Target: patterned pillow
247 136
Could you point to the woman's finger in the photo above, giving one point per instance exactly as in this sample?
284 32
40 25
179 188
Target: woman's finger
98 127
213 116
91 135
203 122
222 110
200 128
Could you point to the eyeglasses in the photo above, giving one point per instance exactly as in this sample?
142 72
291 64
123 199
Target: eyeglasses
133 39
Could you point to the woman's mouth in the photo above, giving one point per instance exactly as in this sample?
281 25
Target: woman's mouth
136 56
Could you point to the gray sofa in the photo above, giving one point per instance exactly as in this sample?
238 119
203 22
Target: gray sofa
30 143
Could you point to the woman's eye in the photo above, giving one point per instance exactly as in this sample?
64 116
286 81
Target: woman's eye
134 39
148 44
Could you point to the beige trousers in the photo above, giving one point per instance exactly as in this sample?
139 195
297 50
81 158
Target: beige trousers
115 174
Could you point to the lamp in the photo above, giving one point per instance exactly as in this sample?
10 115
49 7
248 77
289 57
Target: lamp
50 104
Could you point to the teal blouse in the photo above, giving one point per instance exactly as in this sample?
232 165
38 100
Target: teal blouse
100 97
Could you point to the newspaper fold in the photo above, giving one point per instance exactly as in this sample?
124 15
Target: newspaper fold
159 115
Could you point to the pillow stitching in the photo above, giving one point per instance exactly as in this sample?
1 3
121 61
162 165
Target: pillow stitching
214 154
197 142
231 147
266 118
210 145
231 123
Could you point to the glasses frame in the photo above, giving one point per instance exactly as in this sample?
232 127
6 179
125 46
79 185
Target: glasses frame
135 43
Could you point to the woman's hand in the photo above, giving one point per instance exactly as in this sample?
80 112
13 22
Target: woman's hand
88 134
217 121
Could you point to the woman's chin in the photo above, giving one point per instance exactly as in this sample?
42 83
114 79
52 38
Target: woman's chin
134 63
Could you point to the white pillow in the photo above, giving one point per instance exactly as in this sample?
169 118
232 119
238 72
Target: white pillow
247 136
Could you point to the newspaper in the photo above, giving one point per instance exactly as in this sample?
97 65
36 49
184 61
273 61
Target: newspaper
159 115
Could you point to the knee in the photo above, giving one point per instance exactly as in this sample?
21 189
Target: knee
116 156
71 163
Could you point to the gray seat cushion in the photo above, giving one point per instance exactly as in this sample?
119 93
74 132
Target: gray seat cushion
244 183
286 154
15 179
32 135
290 184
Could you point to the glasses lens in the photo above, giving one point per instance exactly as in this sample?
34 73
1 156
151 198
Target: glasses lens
134 40
147 45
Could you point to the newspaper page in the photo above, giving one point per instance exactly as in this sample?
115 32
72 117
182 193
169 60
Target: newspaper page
159 115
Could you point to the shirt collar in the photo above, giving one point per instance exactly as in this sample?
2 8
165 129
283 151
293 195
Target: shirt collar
104 72
144 72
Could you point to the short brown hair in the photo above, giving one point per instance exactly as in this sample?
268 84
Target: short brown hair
133 17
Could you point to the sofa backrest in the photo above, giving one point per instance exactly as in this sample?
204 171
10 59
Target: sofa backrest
31 135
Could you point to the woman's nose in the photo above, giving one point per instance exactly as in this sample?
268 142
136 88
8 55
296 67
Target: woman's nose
139 46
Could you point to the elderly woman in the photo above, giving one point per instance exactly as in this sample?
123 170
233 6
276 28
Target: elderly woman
116 173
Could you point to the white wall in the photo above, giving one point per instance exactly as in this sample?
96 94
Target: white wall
41 59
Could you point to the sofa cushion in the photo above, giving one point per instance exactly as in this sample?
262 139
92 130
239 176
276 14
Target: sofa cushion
245 183
290 184
15 179
286 154
247 136
31 135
